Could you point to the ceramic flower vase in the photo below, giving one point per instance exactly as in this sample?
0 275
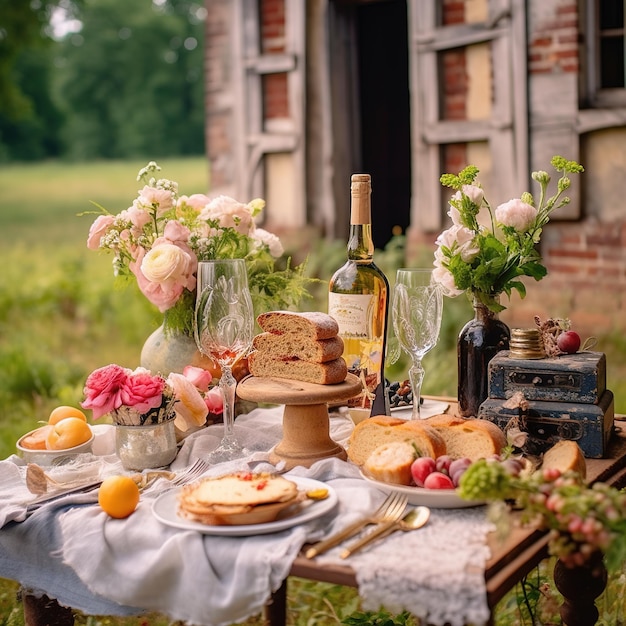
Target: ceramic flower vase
171 352
479 341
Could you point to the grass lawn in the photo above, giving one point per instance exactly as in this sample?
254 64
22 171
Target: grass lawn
62 314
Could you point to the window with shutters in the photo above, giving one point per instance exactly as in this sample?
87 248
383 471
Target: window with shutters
605 28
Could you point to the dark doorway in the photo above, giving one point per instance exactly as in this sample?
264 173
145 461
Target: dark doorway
383 70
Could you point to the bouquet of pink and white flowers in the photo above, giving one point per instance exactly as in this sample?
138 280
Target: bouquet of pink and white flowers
138 398
161 237
484 253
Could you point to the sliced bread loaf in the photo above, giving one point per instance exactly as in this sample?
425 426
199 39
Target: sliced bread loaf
329 373
299 345
313 324
376 431
471 438
391 463
566 456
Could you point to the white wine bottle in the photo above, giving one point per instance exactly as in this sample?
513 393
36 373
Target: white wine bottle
358 299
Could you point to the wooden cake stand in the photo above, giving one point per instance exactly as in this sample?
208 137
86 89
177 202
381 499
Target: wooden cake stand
306 424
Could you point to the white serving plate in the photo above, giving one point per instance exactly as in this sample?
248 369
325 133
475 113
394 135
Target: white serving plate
164 508
428 409
433 498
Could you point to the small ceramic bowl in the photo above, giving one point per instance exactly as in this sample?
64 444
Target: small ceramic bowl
49 457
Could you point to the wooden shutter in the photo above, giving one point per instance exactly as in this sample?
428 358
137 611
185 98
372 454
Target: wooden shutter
506 129
253 139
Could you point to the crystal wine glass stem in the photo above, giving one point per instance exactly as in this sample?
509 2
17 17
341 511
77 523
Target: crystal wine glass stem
416 376
228 385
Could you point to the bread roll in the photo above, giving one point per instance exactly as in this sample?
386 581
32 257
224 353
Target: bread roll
298 345
329 373
471 438
315 324
391 463
376 431
566 456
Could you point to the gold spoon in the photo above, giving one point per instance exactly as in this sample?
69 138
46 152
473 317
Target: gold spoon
414 519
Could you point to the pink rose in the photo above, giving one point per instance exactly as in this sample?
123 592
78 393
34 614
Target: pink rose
142 391
176 232
98 230
474 193
230 214
196 201
137 216
160 200
214 401
162 295
103 389
189 401
517 215
459 239
270 240
167 263
200 378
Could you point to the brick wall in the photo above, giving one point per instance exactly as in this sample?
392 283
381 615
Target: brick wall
586 258
218 129
275 100
553 45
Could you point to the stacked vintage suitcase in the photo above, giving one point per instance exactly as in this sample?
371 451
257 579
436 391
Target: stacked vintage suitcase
566 396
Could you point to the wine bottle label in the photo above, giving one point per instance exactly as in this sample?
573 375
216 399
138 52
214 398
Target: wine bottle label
351 312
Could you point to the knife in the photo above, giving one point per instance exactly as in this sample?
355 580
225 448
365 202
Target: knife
33 505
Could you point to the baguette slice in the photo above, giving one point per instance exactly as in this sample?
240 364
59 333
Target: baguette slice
566 456
391 463
314 324
329 373
376 431
290 345
471 438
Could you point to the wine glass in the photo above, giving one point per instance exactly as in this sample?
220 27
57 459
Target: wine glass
224 329
417 306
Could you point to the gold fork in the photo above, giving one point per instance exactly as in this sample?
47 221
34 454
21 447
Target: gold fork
391 508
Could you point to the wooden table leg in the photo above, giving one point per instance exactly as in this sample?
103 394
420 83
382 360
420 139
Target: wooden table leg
275 611
45 611
580 587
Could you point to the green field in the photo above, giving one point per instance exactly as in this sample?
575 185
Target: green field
62 314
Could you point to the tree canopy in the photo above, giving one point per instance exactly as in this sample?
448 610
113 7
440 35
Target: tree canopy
128 83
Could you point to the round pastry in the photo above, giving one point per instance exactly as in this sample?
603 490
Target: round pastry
240 498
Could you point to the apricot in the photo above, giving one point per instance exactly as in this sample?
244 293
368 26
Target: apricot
61 412
68 433
37 439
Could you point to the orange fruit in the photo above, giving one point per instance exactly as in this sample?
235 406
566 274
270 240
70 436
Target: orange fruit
118 496
61 412
67 433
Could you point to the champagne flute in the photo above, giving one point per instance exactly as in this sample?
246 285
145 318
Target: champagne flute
417 307
224 329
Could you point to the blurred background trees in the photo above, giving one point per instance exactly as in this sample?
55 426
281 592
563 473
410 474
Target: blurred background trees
93 79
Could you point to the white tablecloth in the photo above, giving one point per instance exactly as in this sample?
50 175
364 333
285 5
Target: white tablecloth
102 566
